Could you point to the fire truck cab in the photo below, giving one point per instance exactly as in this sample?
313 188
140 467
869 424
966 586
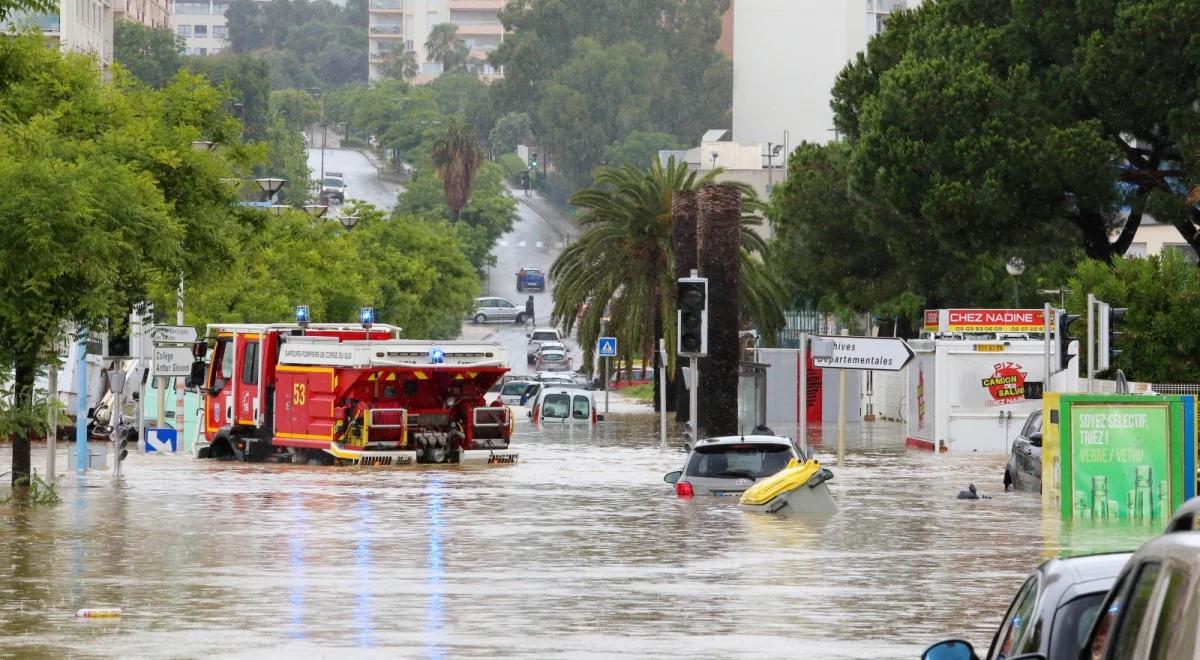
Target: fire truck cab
344 394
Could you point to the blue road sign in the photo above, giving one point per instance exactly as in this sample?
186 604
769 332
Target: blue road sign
162 440
607 347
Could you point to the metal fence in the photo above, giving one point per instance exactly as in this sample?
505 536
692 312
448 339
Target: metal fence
798 322
1175 388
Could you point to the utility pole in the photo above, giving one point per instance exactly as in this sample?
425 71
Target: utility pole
180 392
662 393
1091 339
82 458
52 422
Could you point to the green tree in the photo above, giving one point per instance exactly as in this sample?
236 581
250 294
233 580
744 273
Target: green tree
445 47
639 148
1160 343
457 156
9 7
624 261
111 155
296 107
248 82
303 44
510 130
152 54
406 66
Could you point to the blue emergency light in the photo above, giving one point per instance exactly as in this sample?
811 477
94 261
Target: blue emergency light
302 315
366 316
437 355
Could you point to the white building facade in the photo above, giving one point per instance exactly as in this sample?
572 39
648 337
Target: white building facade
202 25
787 54
81 26
396 26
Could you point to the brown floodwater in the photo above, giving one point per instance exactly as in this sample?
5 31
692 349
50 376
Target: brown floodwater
579 551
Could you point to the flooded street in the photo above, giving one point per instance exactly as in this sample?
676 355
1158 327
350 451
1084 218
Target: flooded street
580 550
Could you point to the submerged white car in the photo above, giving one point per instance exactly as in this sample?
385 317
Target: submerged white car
556 404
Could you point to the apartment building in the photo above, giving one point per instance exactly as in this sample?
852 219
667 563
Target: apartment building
396 26
82 26
202 25
787 54
153 13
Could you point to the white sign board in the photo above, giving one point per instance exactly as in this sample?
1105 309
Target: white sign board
173 334
324 354
172 361
865 353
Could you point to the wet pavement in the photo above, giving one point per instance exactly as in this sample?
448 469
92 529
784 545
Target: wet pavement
362 179
579 551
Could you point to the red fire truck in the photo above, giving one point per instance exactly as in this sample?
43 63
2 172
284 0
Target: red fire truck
344 394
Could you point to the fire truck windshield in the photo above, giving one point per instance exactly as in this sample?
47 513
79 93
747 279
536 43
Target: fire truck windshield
225 351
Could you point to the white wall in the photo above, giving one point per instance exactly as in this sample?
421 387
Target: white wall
787 54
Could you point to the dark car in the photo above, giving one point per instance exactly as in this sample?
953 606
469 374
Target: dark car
531 279
1024 468
1153 610
1051 615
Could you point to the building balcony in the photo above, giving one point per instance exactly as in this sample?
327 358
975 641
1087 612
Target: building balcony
381 57
386 6
476 5
480 29
386 30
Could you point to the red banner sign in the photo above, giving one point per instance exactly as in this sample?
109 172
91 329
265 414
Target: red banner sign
985 320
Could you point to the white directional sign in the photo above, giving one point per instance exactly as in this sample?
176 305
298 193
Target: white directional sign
172 361
173 334
865 353
607 347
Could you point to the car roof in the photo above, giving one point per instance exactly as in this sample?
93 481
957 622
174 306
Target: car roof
554 330
537 268
556 389
1067 578
741 439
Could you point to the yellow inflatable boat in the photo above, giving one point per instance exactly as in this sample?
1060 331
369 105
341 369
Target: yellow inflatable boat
798 488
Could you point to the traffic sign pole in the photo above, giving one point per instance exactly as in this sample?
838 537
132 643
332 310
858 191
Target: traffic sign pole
606 386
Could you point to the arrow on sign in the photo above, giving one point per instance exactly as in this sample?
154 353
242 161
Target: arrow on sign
607 347
864 353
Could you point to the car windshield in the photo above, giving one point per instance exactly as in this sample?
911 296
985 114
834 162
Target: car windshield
552 357
532 271
544 336
738 461
514 389
332 182
556 405
1072 623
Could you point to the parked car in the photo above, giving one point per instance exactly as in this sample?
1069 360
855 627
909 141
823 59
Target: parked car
1051 614
536 337
622 378
1024 468
333 187
553 359
728 465
530 278
566 405
489 309
512 391
1153 610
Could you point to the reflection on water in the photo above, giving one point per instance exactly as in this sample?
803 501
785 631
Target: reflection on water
580 550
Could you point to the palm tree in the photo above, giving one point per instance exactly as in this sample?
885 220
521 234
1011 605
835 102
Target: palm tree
409 67
443 46
457 156
624 262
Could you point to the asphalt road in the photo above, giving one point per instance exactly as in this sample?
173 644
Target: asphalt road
362 179
534 241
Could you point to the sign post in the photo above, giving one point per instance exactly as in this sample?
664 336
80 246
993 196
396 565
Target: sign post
172 359
606 347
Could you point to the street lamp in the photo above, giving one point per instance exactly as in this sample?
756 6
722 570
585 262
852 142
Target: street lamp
316 210
714 155
348 221
1015 267
270 186
203 145
772 151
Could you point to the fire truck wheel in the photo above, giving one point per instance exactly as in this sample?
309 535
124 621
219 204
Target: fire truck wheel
480 318
319 458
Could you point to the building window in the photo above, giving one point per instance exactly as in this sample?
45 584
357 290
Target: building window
1189 254
219 31
200 31
1136 250
214 51
184 30
202 51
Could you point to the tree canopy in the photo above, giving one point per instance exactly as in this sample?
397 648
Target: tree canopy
590 72
976 131
152 54
305 44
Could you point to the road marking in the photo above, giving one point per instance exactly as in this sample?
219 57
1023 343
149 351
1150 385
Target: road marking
540 244
521 244
503 243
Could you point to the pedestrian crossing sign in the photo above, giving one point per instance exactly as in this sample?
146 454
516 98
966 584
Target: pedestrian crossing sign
607 347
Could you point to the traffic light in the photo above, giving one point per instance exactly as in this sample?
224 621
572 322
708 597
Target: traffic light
1062 325
124 435
691 301
1108 317
533 160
